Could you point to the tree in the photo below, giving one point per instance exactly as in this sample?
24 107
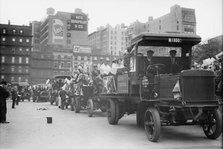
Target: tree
207 50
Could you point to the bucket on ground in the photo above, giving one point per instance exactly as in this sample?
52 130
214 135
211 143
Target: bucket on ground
49 120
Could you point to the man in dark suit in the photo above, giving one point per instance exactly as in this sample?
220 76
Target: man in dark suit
174 66
149 62
3 105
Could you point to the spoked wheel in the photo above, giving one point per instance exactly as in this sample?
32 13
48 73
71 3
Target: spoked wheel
214 127
152 124
77 105
113 112
90 107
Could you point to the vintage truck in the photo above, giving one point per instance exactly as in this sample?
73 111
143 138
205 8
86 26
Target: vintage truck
184 98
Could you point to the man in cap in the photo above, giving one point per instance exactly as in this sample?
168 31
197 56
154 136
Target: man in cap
173 64
3 106
149 62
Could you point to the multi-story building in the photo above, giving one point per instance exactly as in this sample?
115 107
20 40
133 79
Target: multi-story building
178 20
15 49
133 30
111 41
41 66
58 34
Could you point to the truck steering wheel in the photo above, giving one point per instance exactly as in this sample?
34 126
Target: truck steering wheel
157 67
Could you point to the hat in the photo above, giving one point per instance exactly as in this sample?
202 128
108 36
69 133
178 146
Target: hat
173 52
150 51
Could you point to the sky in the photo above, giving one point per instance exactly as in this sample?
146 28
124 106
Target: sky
208 13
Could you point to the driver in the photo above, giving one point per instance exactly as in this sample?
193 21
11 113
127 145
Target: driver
149 62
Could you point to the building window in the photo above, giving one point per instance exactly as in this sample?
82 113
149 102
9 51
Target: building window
4 31
68 41
68 34
107 58
3 38
2 77
2 69
20 49
95 58
69 64
20 40
12 78
14 31
19 79
27 70
27 50
3 59
59 57
21 31
27 40
79 57
27 60
55 65
160 27
85 58
20 69
20 59
13 50
12 68
13 39
13 59
177 28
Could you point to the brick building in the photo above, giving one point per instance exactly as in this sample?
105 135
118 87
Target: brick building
15 49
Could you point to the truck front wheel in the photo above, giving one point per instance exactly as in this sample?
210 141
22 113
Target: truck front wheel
152 124
113 112
213 128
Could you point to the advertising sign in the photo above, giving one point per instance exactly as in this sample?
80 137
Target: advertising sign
79 22
188 15
57 31
81 49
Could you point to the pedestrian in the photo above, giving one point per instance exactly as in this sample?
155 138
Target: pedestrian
14 96
4 94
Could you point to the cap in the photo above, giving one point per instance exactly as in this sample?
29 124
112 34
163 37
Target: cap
173 52
150 51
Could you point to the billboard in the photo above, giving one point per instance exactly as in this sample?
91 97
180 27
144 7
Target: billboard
81 49
57 31
188 15
79 22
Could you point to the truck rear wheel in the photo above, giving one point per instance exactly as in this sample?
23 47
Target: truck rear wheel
152 124
214 127
113 112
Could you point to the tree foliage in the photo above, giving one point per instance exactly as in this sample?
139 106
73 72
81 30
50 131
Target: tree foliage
207 50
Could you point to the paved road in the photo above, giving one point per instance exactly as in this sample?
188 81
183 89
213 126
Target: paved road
28 129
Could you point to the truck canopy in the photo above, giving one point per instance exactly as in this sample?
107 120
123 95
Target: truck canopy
165 39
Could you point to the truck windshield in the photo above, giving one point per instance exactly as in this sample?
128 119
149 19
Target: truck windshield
159 51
